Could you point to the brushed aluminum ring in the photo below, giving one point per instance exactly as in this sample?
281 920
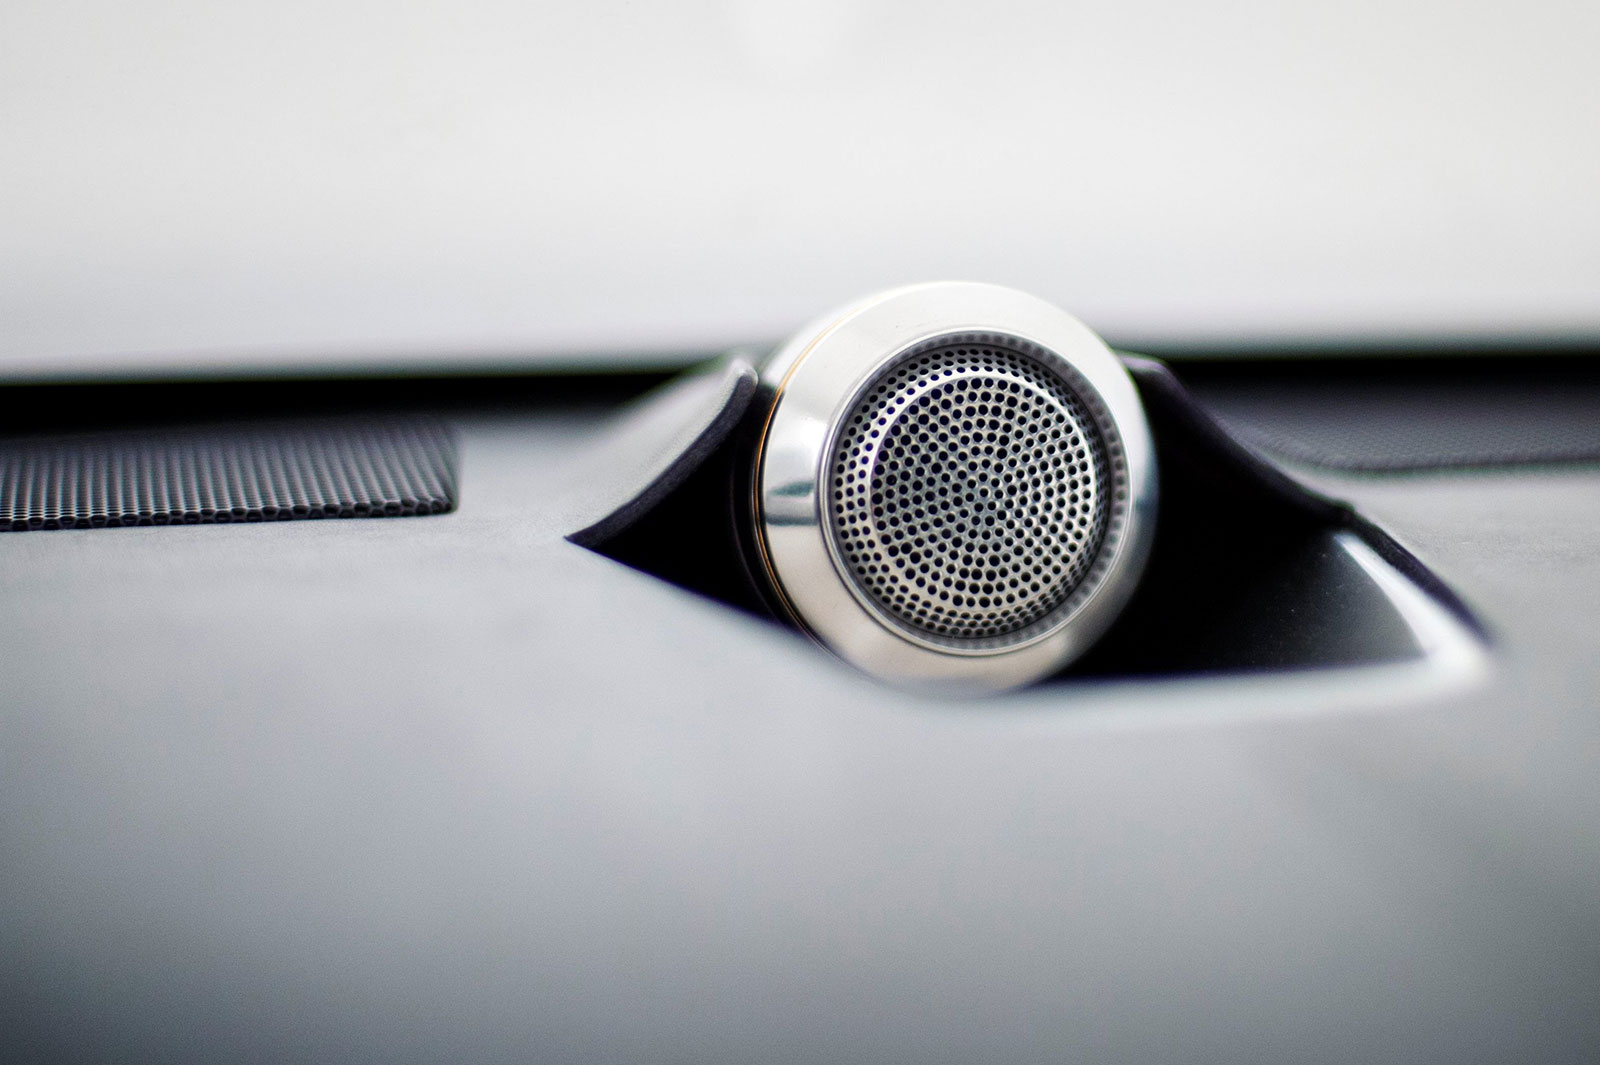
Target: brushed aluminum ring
812 382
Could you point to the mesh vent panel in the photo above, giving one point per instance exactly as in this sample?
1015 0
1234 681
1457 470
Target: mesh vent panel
969 492
246 473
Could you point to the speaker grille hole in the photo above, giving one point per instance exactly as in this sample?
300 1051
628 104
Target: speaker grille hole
970 491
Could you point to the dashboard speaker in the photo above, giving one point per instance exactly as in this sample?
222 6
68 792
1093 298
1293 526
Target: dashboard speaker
264 472
950 485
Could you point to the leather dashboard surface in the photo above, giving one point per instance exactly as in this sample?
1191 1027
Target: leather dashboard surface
454 788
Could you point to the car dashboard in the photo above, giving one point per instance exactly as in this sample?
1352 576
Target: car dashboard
453 786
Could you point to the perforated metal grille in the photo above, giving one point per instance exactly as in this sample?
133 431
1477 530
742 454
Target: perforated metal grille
263 472
969 492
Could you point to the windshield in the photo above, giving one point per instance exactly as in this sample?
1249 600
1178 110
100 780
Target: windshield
191 186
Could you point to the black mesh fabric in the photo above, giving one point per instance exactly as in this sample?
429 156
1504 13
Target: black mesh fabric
260 472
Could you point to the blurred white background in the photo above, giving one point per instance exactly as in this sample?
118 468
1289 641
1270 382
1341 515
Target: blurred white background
204 184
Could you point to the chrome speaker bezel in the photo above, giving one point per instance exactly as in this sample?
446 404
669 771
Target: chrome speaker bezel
814 380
